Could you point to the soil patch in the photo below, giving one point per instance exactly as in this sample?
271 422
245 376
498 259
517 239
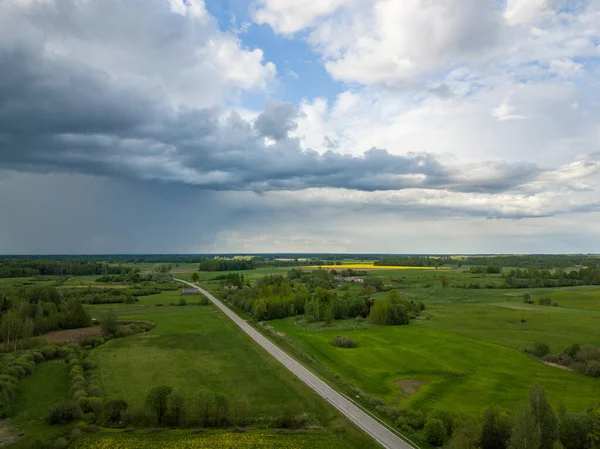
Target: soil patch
409 386
72 334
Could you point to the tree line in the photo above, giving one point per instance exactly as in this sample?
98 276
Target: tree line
306 293
45 267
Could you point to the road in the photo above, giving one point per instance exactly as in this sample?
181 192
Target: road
362 419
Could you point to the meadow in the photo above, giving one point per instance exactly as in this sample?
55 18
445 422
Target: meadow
466 351
47 385
212 440
196 348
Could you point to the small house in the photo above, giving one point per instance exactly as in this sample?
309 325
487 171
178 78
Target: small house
189 291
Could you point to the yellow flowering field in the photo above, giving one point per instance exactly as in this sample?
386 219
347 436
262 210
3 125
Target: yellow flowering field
369 266
143 439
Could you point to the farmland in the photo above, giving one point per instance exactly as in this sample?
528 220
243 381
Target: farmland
463 347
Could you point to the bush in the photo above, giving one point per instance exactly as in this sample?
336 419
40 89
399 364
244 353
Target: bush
60 443
540 350
79 394
49 351
182 302
544 301
91 405
115 408
435 432
343 342
593 368
64 412
95 391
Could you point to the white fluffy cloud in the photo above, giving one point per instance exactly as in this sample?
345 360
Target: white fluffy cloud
169 47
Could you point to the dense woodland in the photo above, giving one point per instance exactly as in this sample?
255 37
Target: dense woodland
308 293
45 267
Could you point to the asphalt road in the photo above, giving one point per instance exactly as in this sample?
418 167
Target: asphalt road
363 420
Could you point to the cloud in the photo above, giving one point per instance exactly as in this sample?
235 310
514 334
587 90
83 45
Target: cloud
565 68
525 11
504 111
277 120
287 17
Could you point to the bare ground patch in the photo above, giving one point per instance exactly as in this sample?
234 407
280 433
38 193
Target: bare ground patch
76 334
409 386
72 334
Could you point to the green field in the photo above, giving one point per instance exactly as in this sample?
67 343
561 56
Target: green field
467 349
195 348
48 384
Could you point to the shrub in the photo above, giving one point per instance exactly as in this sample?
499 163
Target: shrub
593 368
91 405
114 409
95 391
182 302
341 341
49 351
435 432
60 443
79 394
64 412
544 301
540 349
38 357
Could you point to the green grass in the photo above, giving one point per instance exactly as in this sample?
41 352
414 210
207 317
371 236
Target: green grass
462 374
37 392
468 347
212 440
197 347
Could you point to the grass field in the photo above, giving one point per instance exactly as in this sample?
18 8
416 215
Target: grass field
467 349
212 440
196 348
48 384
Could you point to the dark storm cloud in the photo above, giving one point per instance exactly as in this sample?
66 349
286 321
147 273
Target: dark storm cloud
277 120
58 113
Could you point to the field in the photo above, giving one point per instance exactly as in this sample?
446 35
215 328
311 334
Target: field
212 440
367 266
195 348
47 385
466 351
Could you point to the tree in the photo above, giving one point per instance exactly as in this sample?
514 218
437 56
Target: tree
195 277
466 435
114 409
161 272
574 431
544 415
110 326
11 327
495 431
157 401
594 435
76 316
445 281
435 432
177 407
525 432
221 410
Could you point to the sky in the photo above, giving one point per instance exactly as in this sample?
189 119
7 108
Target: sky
353 126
